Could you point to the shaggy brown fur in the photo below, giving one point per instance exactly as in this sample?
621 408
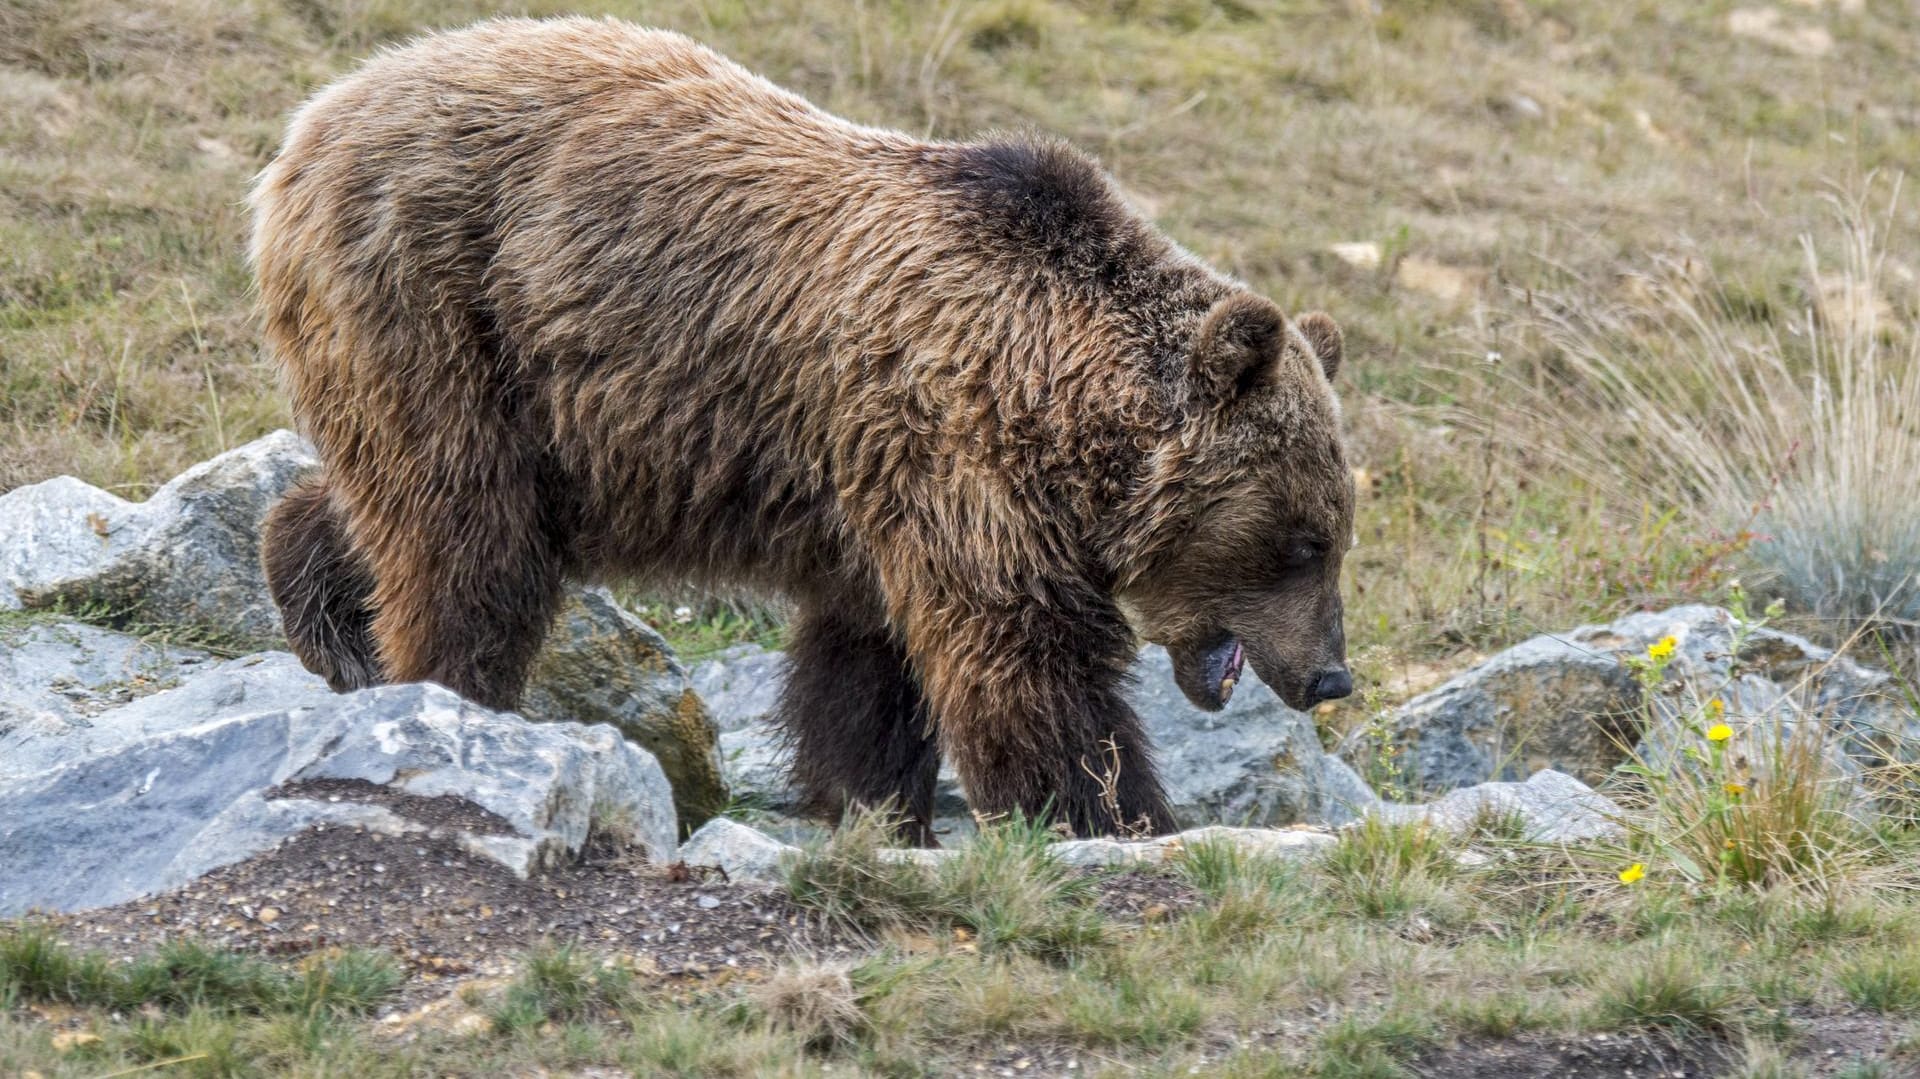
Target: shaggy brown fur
574 298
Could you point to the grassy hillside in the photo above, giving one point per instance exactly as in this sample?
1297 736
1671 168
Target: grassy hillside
1477 158
1631 295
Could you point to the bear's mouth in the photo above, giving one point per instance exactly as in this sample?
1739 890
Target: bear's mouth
1223 664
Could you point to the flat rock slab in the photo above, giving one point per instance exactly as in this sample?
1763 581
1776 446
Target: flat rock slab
56 675
1550 807
151 795
745 853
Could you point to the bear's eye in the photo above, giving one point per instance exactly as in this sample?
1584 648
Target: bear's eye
1301 554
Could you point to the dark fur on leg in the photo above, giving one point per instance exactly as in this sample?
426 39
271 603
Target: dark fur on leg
1047 733
859 729
322 587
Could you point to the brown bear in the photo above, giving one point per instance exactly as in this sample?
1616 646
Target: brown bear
572 298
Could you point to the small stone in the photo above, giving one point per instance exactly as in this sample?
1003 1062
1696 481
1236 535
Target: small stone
1770 26
707 902
1450 284
66 1041
269 915
1363 255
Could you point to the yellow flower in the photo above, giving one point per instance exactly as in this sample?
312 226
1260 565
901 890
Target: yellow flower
1662 648
1633 872
1736 789
1719 732
1716 708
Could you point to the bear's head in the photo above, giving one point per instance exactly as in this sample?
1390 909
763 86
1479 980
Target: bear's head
1248 510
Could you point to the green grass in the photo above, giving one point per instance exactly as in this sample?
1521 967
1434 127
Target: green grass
34 968
1279 968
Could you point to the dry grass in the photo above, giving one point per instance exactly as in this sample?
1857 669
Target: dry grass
1787 434
1486 149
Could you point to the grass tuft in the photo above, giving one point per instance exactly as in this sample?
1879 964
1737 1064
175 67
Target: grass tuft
1005 887
561 984
1884 982
1671 989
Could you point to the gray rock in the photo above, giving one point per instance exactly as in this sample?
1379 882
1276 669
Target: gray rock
152 794
1256 762
187 557
179 690
56 674
743 853
601 664
747 853
1550 807
756 763
553 783
1549 702
1568 702
740 685
56 531
1251 842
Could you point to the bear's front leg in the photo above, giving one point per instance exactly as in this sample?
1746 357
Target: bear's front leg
1028 704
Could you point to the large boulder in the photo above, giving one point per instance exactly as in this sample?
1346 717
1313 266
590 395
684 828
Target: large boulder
602 664
740 685
187 560
1569 702
187 557
1257 762
100 806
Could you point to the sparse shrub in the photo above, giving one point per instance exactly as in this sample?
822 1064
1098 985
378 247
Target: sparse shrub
184 975
1776 811
1497 1015
817 1002
850 878
1782 435
1390 870
1374 1047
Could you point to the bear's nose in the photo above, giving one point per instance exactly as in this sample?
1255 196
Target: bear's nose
1333 684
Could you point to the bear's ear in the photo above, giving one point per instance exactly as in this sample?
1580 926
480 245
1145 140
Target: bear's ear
1237 346
1323 334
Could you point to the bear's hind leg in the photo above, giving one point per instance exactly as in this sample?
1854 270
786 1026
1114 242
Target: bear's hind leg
853 713
467 568
322 587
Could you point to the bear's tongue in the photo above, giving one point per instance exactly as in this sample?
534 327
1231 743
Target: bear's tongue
1223 664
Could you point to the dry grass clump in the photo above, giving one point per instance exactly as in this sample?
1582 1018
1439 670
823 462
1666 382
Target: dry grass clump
816 1001
1787 429
1005 889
